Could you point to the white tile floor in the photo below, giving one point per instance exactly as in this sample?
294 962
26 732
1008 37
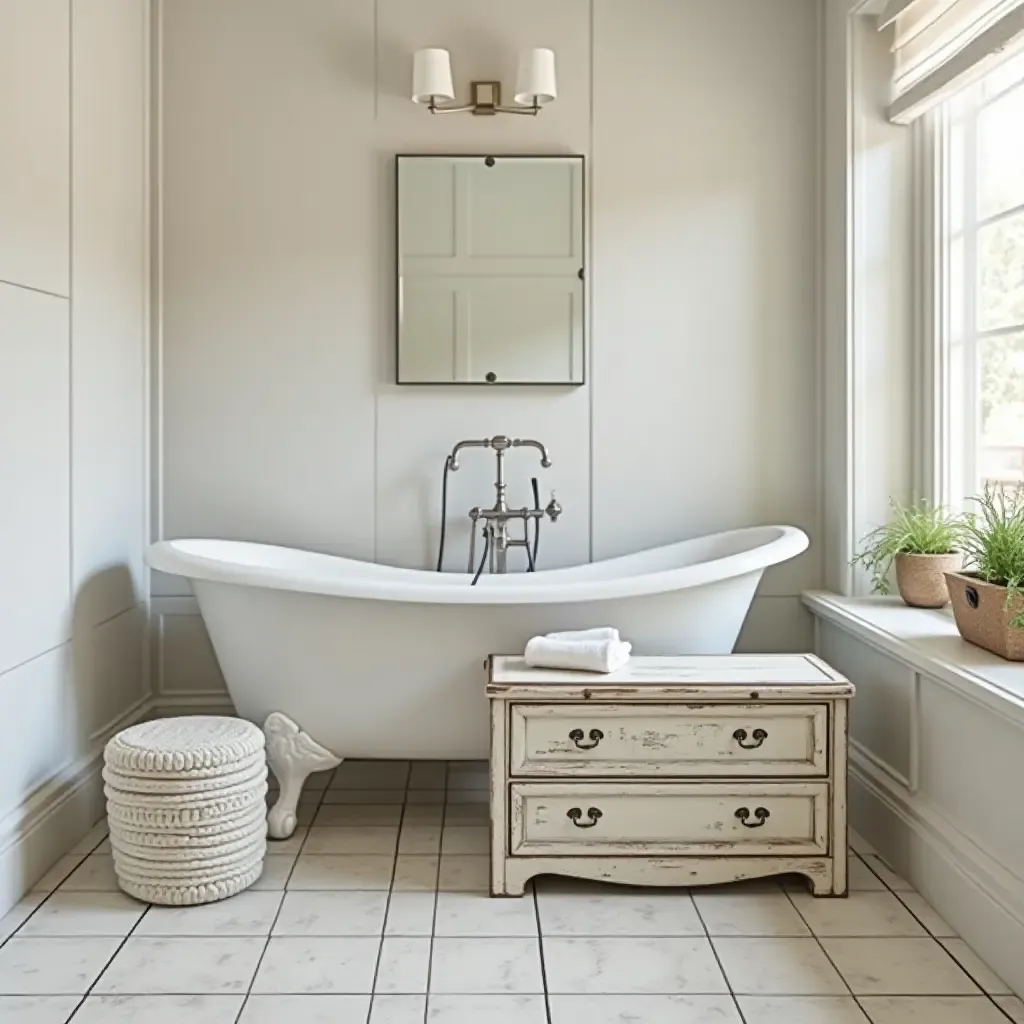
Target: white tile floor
376 912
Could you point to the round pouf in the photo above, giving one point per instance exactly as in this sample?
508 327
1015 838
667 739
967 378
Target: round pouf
186 805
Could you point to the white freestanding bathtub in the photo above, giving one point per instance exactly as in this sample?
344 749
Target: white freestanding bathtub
376 661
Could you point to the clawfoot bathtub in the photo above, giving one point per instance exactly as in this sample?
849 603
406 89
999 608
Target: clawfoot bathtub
376 661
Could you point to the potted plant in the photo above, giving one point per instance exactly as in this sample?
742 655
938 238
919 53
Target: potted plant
924 542
988 602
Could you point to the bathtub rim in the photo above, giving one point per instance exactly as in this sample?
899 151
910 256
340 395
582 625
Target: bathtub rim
424 587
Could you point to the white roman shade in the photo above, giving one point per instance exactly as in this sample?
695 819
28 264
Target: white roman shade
940 46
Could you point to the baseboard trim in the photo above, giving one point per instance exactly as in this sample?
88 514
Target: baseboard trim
37 833
974 892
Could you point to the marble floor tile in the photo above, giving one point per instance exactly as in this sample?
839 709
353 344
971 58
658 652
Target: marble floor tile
91 840
472 813
410 913
989 981
922 910
292 845
466 839
464 873
485 966
762 914
403 966
323 871
657 966
863 878
305 1009
333 913
468 914
37 1009
415 874
355 839
53 966
428 775
618 1009
1012 1007
153 1009
493 1009
276 870
94 874
84 913
308 966
425 798
898 967
370 775
247 913
887 875
182 966
399 1010
801 1010
57 874
19 914
861 914
932 1010
396 797
356 815
420 839
784 967
859 844
620 913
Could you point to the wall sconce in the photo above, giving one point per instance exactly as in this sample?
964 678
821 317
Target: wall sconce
432 84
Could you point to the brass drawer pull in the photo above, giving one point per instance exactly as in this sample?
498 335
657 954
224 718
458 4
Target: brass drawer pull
761 813
574 814
595 737
759 737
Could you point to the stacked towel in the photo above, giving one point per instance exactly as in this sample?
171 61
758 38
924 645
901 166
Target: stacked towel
583 650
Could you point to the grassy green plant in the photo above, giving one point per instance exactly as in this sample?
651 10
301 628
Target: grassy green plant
994 541
916 529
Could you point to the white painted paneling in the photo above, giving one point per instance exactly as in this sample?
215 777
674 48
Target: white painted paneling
881 717
34 143
109 662
34 458
955 734
776 625
109 309
703 272
40 715
269 348
188 664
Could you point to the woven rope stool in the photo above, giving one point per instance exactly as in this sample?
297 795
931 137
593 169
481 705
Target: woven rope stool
186 805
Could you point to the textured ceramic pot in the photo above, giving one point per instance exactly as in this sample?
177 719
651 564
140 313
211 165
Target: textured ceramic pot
921 579
983 616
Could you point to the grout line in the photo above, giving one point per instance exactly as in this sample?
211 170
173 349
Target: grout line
718 959
437 896
391 890
535 896
814 935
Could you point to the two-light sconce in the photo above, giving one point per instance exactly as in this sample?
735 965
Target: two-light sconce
432 85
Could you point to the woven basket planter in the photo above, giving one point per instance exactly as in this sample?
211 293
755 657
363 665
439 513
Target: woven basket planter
921 579
983 616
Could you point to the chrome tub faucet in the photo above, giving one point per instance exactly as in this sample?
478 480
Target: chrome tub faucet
497 537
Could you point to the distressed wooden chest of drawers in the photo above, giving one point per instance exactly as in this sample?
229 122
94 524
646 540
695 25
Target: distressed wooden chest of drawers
676 771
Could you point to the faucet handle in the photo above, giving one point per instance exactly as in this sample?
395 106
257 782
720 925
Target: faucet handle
554 509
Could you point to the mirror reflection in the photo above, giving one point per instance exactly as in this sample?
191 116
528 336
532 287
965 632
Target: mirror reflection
490 270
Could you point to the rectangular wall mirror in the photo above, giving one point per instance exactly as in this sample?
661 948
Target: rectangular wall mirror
490 270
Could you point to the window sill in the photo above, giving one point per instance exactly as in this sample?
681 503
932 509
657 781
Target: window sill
927 641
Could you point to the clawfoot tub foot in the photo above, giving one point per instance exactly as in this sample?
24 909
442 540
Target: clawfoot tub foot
292 755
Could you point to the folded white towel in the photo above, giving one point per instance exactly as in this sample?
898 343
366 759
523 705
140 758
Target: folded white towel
580 655
597 633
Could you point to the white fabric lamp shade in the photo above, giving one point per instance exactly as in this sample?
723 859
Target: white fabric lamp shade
432 76
535 82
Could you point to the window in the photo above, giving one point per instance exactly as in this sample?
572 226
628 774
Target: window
984 286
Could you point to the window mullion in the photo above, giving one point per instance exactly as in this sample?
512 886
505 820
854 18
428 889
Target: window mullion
972 361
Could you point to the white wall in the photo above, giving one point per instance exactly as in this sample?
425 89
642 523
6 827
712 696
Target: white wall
73 352
278 419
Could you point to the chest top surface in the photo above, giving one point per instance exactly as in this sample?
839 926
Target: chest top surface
708 677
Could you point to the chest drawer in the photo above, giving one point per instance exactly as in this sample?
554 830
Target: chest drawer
644 819
670 739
